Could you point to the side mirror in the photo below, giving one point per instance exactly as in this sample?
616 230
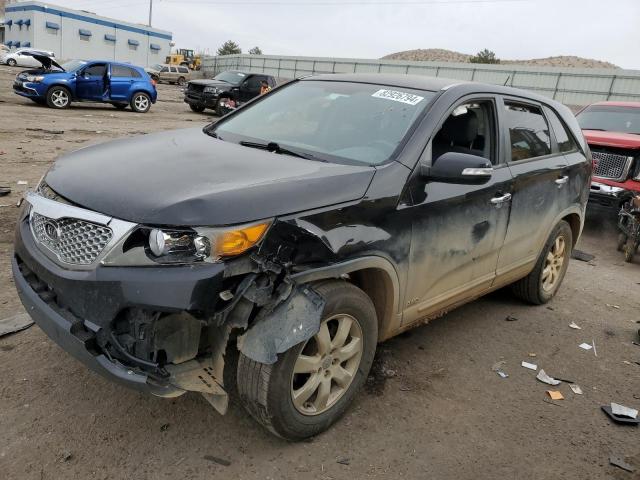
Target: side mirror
462 168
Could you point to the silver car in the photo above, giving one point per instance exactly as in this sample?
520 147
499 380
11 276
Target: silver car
163 72
19 58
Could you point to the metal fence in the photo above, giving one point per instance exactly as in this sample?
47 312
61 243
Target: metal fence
573 86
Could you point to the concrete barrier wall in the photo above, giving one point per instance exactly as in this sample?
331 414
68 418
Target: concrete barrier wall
573 86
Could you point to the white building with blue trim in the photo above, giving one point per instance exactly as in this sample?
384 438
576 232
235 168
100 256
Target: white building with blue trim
76 34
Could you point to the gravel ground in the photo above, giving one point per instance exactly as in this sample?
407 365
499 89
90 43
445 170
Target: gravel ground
433 408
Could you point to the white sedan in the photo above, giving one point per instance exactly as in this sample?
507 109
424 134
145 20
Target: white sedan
18 58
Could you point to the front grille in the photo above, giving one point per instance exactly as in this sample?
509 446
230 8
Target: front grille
611 165
73 241
195 88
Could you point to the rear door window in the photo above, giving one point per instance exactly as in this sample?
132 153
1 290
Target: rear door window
174 70
528 131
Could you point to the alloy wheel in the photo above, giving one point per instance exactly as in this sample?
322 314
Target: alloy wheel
60 98
552 271
327 365
141 102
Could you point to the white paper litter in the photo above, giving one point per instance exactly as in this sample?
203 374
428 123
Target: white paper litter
530 366
502 374
576 388
574 326
623 411
585 346
23 182
544 378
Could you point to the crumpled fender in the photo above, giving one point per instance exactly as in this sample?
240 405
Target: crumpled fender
291 322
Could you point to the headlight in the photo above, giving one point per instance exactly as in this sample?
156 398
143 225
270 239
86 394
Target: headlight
211 90
34 78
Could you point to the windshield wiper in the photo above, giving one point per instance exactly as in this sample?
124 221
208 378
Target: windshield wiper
276 148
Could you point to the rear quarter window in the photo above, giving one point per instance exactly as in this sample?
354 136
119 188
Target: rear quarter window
183 69
122 71
565 140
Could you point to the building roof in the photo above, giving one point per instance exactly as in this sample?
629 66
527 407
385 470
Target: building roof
87 17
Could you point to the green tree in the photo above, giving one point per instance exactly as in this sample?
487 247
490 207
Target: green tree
484 56
229 48
255 51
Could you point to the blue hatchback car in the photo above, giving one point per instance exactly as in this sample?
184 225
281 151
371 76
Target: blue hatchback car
119 84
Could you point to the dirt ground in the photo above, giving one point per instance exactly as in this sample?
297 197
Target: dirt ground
433 407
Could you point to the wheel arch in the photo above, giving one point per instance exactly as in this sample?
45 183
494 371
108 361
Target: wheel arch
377 277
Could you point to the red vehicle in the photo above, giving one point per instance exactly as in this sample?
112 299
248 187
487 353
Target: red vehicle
612 130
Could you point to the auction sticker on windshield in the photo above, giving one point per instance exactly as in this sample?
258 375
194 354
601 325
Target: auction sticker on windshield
397 96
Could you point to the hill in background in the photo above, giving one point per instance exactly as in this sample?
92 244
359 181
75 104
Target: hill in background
442 55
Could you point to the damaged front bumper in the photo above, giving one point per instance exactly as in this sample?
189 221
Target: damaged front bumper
165 329
77 309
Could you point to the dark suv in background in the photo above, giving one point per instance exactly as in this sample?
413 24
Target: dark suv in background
239 87
298 232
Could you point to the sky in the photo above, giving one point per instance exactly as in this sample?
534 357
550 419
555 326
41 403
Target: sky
514 29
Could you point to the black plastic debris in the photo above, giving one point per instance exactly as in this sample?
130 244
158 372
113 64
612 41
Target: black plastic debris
218 460
620 463
619 418
582 256
511 318
4 191
164 427
343 461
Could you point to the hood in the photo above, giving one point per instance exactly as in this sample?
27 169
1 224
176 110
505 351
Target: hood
612 139
187 178
46 61
214 83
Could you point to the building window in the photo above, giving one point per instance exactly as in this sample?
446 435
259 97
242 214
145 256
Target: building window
109 38
155 47
133 44
84 33
52 26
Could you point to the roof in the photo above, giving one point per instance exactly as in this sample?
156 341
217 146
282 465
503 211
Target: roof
419 82
434 84
84 16
617 104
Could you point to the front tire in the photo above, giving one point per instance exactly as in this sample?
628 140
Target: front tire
140 102
312 384
58 97
196 108
11 62
543 282
181 81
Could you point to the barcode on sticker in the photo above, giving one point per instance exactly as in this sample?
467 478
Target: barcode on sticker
397 96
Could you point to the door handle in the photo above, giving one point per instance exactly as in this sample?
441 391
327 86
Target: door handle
498 201
561 181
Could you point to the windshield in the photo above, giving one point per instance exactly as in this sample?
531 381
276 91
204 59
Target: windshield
610 119
333 121
157 67
72 65
234 78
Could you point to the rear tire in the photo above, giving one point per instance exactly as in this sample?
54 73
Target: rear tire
140 102
58 97
543 282
196 108
342 351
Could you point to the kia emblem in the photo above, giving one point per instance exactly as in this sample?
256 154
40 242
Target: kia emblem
52 230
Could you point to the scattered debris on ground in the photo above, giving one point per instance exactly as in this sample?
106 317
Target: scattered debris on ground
530 366
619 462
544 378
343 460
511 318
15 323
555 395
575 388
220 461
625 415
575 326
582 256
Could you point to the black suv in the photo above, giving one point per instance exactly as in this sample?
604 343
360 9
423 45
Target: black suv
238 87
298 232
